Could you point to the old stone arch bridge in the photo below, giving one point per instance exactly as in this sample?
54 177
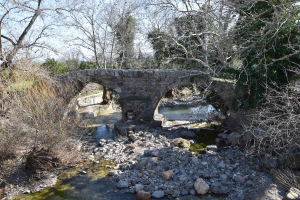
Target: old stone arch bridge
139 91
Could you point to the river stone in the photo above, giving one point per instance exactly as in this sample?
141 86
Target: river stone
223 177
113 172
239 179
143 162
201 186
155 153
212 148
142 195
195 160
122 184
158 194
25 192
248 183
234 138
221 187
163 164
293 193
192 192
147 152
183 178
180 142
138 187
188 134
184 192
167 174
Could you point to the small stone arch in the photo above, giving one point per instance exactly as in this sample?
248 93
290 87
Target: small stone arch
224 90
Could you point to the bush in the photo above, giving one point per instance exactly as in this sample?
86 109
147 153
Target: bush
38 122
274 129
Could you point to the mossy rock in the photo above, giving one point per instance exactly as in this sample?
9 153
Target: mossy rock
181 143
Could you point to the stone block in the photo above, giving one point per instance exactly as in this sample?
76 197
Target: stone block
103 72
130 73
91 72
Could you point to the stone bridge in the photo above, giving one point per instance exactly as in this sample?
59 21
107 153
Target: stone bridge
139 91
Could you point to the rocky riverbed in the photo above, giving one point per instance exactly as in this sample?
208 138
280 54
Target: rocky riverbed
158 164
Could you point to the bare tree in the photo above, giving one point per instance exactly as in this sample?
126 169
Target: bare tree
200 31
22 15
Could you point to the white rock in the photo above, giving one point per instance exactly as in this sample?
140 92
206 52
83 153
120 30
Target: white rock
201 186
167 174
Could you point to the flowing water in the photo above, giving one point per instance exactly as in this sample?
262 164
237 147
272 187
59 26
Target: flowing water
183 112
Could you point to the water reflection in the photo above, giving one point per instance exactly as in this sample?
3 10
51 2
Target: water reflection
183 112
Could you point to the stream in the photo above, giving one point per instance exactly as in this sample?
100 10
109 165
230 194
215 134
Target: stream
95 184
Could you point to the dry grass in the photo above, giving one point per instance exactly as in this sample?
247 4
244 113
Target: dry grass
36 128
286 178
274 129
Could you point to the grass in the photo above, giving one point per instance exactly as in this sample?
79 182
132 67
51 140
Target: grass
20 85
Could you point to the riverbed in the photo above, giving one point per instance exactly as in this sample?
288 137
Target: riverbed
128 162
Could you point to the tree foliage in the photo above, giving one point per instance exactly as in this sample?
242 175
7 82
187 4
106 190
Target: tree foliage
268 37
125 32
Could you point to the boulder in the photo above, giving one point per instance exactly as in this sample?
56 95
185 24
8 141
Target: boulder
142 195
180 142
188 134
167 174
201 186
